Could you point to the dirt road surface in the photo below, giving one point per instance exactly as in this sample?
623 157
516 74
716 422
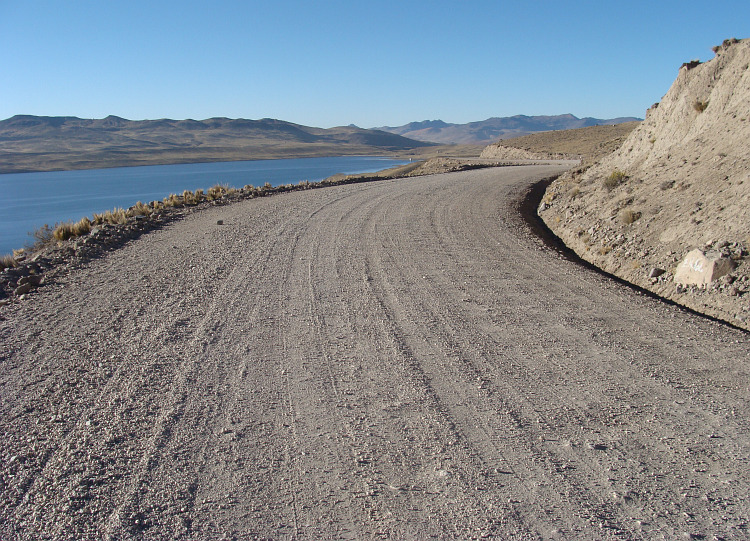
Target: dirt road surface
401 359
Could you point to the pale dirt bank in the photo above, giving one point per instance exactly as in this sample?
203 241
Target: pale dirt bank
680 181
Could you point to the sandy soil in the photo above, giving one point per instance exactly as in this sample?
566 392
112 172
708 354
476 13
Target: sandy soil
399 359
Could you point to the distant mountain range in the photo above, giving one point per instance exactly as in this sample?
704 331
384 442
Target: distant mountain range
492 129
44 143
41 143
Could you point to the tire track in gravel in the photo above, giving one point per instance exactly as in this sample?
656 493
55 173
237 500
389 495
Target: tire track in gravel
457 384
399 359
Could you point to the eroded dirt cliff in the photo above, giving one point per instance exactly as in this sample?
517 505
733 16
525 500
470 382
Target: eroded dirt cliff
680 181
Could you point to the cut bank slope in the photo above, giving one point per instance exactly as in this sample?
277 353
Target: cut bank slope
680 181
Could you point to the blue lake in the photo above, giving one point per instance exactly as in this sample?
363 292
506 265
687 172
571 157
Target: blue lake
30 200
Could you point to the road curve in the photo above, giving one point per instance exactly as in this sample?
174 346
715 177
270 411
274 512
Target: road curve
400 359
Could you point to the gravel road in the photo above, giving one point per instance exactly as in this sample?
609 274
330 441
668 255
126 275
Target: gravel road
401 359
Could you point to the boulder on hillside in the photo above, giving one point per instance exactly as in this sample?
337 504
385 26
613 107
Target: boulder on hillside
700 269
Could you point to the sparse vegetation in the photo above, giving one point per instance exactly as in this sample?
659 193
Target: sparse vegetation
113 217
725 44
7 261
628 216
174 201
217 192
616 178
69 230
700 106
42 236
139 209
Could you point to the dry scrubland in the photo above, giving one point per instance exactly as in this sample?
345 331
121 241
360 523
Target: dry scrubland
583 143
679 182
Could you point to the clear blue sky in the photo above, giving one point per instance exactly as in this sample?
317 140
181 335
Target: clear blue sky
326 63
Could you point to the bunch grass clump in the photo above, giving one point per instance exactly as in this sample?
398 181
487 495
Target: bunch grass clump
616 178
173 201
69 230
700 106
139 209
628 216
7 261
217 192
112 217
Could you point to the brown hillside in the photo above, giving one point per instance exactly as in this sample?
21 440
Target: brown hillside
587 143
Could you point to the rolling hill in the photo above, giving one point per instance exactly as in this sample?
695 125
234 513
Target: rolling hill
41 143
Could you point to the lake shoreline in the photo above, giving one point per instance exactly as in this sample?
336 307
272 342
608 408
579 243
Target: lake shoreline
51 262
63 161
34 199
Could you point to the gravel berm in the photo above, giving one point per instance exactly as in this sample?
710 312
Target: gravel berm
400 359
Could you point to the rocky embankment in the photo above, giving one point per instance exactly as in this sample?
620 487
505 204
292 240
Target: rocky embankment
669 210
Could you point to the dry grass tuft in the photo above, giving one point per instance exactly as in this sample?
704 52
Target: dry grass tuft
114 217
628 216
69 230
174 201
616 178
7 261
700 106
139 209
217 192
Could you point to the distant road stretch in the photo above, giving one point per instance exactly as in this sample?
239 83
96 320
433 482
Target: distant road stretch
399 359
